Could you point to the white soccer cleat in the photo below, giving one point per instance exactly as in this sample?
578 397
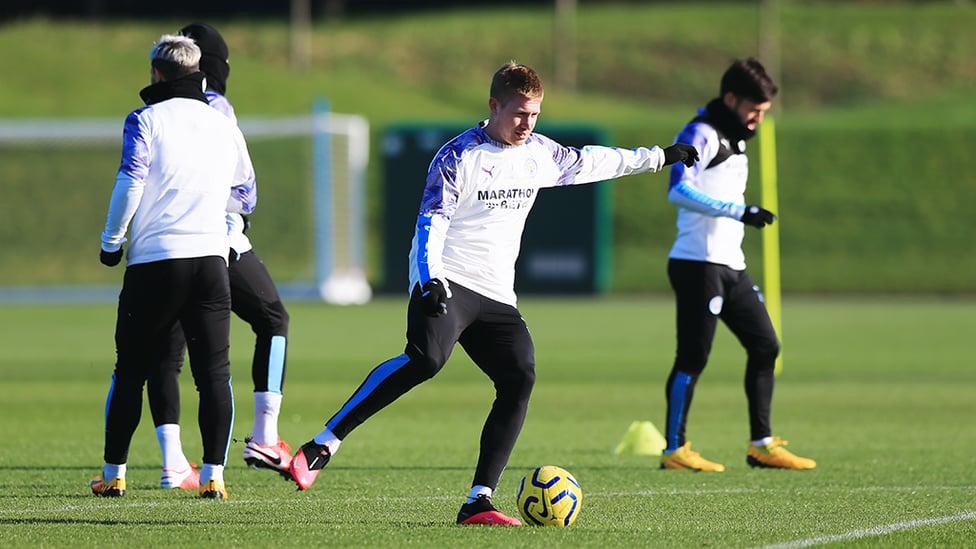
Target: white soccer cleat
276 457
187 479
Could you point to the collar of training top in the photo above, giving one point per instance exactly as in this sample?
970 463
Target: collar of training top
189 86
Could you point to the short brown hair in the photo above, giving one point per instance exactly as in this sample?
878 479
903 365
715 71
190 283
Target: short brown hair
513 80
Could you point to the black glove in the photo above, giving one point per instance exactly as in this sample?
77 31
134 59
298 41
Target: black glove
247 223
757 217
679 152
110 259
433 298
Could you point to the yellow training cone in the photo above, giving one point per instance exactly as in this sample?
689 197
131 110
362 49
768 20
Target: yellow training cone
642 438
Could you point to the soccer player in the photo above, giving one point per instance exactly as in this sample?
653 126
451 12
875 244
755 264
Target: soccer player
479 190
184 166
707 268
254 298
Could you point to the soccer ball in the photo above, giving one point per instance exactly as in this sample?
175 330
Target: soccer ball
549 496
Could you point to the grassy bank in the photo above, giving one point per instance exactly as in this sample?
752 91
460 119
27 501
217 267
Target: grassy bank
875 115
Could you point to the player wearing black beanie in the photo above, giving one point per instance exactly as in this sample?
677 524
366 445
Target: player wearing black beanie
254 298
214 54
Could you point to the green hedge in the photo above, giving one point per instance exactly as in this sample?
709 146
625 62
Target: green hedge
861 210
871 209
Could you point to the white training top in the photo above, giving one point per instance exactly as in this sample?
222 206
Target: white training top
235 223
479 193
710 200
184 166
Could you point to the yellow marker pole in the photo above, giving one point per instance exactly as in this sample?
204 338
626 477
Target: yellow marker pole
770 241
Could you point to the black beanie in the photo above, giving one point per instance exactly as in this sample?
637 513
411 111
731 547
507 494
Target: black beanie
214 54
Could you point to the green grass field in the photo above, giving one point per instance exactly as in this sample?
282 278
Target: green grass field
879 391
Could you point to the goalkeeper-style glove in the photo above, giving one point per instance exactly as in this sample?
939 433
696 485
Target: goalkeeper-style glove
110 259
679 152
433 298
757 216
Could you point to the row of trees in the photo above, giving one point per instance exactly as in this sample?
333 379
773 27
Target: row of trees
98 9
101 9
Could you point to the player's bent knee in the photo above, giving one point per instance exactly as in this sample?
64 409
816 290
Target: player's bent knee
526 375
278 318
693 365
425 365
518 381
765 350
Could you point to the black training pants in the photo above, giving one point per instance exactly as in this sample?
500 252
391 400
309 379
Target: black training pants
705 293
495 337
156 299
255 299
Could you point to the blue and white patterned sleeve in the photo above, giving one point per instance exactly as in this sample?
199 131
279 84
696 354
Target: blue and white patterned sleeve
222 104
130 181
438 204
682 189
244 195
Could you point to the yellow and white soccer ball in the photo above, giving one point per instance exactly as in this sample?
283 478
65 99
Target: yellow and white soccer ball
549 496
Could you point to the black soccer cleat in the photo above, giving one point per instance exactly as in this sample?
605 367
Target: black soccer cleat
308 461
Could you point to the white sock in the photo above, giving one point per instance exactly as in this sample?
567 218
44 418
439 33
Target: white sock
267 406
329 440
210 472
762 442
112 470
168 436
476 491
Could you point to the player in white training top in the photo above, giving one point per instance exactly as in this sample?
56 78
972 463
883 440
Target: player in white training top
707 269
254 298
184 166
480 188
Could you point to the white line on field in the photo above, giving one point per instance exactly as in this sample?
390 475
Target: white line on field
127 505
873 531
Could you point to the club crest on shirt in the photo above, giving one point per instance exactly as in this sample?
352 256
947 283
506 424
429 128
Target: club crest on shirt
740 145
531 167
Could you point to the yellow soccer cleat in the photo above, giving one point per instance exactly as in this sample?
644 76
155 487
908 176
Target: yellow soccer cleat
113 489
775 456
213 489
686 458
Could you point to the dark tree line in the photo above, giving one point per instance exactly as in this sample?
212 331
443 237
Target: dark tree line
113 9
